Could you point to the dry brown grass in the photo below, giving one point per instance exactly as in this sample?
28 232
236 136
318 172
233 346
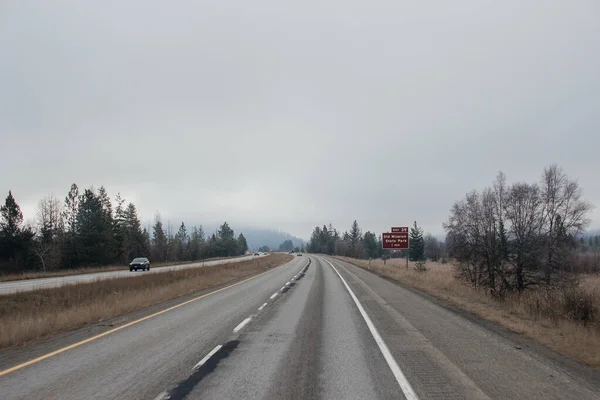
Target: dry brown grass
91 270
36 314
566 321
588 262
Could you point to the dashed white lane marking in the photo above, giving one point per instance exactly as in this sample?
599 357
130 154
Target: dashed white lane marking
163 396
407 389
209 355
273 296
261 307
242 324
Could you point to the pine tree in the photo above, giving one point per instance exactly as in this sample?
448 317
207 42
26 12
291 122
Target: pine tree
314 242
70 248
181 241
287 245
146 242
133 233
106 203
227 245
122 245
355 240
242 244
324 240
14 240
159 240
196 243
108 237
94 231
416 243
71 208
332 239
370 241
212 247
11 217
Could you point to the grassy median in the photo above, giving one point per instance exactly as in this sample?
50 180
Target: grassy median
36 314
92 270
567 321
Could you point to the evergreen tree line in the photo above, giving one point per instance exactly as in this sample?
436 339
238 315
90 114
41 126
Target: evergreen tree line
288 246
89 229
509 238
354 243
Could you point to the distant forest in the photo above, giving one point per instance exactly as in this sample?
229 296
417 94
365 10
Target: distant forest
89 229
354 243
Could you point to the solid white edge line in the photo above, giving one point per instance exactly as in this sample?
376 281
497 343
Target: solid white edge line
209 355
242 324
273 296
407 389
261 307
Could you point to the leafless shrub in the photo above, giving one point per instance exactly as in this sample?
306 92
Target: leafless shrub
511 238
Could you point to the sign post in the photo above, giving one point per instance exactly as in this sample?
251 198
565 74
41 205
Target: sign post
397 239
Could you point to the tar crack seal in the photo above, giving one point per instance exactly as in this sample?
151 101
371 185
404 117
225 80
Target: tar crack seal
186 386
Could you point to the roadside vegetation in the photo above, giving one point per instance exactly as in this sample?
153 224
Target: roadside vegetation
37 314
556 318
513 254
89 230
92 270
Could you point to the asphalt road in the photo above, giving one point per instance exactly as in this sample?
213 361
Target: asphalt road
42 283
337 332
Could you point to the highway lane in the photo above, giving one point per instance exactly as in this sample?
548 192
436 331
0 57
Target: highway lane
312 341
313 345
44 283
142 360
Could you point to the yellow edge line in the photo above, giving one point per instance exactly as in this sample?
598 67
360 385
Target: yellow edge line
56 352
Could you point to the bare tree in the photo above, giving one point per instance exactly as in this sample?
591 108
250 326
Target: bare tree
433 247
464 237
511 238
49 228
524 214
565 215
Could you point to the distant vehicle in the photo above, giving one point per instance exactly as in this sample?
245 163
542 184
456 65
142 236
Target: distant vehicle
139 263
299 254
256 254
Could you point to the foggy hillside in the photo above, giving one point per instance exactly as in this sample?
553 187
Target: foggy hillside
257 237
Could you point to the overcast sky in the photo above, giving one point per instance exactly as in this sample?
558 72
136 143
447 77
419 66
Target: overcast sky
288 116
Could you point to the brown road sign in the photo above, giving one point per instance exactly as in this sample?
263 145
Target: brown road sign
394 240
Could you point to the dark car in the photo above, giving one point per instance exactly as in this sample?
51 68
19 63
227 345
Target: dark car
139 263
299 254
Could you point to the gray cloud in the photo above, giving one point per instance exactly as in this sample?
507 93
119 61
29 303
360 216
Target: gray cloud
289 116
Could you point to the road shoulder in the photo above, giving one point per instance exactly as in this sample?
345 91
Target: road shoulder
585 375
